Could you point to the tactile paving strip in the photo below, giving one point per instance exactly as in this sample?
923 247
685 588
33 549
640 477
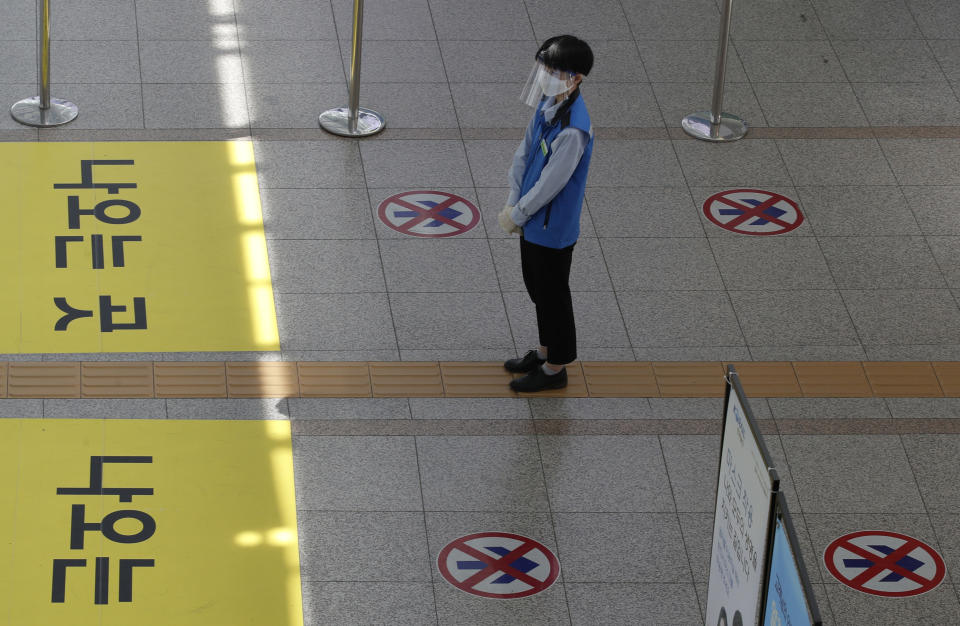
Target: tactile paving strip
264 379
475 380
768 379
620 379
822 379
113 380
195 379
285 379
406 380
949 376
43 380
334 380
689 380
911 379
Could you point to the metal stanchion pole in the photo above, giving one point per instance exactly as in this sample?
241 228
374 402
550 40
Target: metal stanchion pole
352 121
715 125
43 111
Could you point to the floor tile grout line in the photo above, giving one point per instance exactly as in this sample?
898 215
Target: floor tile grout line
933 53
143 107
676 512
806 525
929 514
752 83
916 481
533 29
616 297
243 70
383 271
729 297
426 529
643 66
476 192
900 187
433 587
830 270
726 291
826 596
830 42
553 520
716 263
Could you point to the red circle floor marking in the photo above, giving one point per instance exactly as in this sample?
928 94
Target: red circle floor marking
428 214
479 564
909 566
753 212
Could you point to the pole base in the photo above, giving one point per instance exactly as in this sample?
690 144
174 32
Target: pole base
730 128
28 112
337 121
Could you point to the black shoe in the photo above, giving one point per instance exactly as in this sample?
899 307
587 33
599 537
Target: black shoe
527 363
537 380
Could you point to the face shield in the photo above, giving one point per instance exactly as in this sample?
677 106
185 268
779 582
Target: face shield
544 81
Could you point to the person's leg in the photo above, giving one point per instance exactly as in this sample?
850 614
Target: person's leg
531 268
558 330
533 264
549 277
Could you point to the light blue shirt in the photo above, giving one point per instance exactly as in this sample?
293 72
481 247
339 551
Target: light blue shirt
566 151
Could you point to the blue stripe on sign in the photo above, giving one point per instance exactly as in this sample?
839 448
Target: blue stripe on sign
449 213
771 211
907 562
427 203
522 564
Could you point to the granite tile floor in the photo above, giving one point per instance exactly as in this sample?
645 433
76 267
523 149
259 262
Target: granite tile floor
854 114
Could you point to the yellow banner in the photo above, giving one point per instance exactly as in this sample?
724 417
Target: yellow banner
148 522
133 247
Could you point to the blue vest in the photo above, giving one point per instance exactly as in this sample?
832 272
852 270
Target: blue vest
557 224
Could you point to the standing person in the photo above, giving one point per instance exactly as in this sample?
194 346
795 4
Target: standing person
548 178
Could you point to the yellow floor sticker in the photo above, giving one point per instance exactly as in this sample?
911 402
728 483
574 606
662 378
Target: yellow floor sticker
148 522
133 247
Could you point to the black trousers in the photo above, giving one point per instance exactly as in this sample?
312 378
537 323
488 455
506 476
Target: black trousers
546 274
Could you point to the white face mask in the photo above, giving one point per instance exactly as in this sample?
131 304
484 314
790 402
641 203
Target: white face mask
544 82
551 85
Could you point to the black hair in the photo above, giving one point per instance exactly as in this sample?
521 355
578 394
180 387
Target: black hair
567 53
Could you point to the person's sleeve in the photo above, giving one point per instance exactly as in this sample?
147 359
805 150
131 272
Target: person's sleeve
519 165
567 149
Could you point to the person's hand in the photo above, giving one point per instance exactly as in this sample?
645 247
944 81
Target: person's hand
506 222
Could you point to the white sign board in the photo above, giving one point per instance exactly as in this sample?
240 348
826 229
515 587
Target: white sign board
741 521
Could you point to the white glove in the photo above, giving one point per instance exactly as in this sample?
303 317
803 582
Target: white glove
506 222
